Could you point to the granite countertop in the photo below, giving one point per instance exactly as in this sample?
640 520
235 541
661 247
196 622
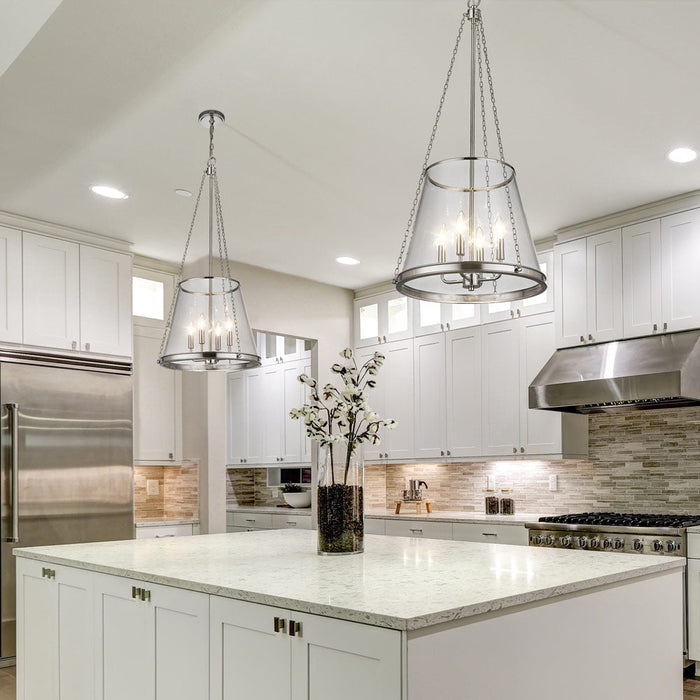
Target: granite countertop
269 509
161 523
455 516
400 583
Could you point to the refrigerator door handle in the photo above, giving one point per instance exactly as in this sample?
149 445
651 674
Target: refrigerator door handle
13 414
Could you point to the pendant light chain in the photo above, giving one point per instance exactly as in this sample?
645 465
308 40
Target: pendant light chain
438 114
500 141
182 264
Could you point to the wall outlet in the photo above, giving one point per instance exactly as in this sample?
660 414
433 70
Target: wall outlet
553 482
491 482
275 493
151 487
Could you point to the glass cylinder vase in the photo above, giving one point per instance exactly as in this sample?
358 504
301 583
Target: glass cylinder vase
340 501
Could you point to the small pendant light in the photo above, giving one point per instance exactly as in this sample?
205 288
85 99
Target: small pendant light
207 327
467 238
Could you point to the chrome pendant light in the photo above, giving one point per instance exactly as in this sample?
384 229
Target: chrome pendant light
467 238
207 326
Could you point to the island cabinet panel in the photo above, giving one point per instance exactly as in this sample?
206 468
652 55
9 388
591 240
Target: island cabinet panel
155 641
490 532
55 633
323 659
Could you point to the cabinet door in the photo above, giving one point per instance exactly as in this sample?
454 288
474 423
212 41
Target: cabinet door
367 322
641 279
397 376
105 301
256 415
395 317
540 431
125 667
429 402
604 286
428 317
693 594
305 441
501 388
51 270
55 637
157 394
463 392
293 397
376 398
343 660
236 418
490 532
461 315
680 280
10 285
499 311
570 291
272 391
249 659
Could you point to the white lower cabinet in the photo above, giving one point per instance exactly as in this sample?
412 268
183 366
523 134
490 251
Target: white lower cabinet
158 531
55 634
490 532
496 533
419 528
311 657
155 641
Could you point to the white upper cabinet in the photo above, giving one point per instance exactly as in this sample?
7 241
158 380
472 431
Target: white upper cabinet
105 301
429 403
397 377
641 279
237 418
51 269
588 288
157 410
256 410
542 303
501 388
463 392
383 318
376 398
604 286
432 317
680 273
10 285
273 404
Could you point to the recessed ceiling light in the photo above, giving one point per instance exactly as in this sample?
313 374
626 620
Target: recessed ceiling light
347 261
183 193
111 192
682 155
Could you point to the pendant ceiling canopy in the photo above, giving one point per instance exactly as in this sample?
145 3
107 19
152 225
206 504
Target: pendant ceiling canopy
467 238
207 327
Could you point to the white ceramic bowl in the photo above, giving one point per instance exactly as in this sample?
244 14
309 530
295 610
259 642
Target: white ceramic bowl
298 500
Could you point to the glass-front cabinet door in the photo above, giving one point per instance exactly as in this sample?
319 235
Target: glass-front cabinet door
383 318
432 317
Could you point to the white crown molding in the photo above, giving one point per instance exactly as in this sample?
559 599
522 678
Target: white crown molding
373 289
154 264
644 212
25 223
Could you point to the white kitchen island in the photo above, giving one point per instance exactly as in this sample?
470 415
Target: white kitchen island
260 616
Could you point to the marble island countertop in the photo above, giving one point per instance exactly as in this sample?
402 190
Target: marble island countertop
398 582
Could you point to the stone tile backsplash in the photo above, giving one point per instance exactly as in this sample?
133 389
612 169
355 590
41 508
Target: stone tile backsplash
178 492
638 461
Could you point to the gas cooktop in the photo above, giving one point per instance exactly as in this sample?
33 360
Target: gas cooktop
651 520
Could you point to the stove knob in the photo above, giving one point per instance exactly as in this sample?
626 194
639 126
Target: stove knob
594 542
607 543
549 540
671 546
657 546
638 545
538 539
582 542
618 543
565 541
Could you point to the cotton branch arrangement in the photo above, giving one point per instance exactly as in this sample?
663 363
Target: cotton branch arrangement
342 416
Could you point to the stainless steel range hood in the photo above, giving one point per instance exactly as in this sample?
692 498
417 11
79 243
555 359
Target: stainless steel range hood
654 372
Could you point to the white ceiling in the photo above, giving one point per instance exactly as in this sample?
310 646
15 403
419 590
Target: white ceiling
329 104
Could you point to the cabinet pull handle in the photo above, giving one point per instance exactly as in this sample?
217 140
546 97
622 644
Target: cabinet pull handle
448 326
590 337
489 534
522 449
74 345
250 520
48 573
379 339
442 326
515 450
135 592
145 595
518 312
279 624
416 529
87 347
291 523
294 628
656 327
665 326
583 339
442 453
512 313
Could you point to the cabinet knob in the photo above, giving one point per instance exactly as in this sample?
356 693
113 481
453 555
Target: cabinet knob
87 347
522 449
583 340
384 337
448 453
442 326
656 327
448 326
170 455
590 337
665 326
512 313
74 345
515 450
379 339
442 453
518 312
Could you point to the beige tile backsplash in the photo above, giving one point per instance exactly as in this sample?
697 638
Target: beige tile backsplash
178 492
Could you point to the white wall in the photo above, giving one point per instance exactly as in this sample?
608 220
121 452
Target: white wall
277 303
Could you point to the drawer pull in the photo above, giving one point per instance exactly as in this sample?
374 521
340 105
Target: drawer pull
416 529
48 573
489 534
135 592
291 523
145 595
278 624
294 628
250 520
158 536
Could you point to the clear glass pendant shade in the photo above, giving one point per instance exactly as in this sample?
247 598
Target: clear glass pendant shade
209 328
471 241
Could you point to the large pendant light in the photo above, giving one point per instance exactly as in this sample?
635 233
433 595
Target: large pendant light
467 238
207 327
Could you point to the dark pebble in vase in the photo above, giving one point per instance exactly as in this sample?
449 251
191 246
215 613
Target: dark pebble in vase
340 519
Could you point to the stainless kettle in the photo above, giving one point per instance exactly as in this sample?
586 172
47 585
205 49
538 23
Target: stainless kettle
413 492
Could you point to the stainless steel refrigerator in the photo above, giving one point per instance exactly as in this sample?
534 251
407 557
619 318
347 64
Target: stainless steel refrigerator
66 461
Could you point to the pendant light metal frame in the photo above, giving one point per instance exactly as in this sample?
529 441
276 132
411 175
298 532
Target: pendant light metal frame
222 293
471 277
